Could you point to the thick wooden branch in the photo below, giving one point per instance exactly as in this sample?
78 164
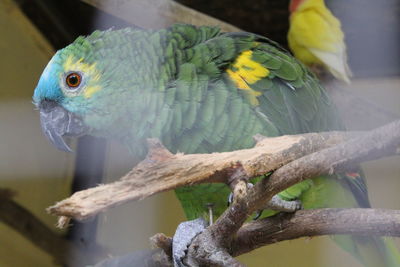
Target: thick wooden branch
292 158
307 223
163 171
157 13
286 226
383 141
29 226
375 144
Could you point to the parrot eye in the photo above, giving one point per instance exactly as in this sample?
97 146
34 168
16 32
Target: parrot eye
73 80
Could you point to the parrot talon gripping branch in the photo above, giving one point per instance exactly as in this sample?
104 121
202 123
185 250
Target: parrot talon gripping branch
184 235
205 93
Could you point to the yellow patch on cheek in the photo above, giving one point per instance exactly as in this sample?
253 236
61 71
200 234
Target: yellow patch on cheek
245 72
90 90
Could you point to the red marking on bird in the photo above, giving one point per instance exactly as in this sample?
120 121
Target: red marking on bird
294 4
353 175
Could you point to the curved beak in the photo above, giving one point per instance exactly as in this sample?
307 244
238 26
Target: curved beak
57 122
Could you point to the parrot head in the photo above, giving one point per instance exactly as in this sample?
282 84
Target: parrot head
83 88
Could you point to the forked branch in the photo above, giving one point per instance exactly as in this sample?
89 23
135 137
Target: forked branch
378 143
292 158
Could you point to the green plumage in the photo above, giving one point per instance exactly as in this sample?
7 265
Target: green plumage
176 84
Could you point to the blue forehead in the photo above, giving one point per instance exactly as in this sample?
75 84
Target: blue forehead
48 85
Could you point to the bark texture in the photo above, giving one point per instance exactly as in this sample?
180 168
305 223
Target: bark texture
162 171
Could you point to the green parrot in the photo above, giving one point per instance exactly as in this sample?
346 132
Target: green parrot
198 90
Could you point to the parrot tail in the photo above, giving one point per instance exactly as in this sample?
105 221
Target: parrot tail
371 251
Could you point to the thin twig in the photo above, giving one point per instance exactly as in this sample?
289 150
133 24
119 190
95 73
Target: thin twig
29 226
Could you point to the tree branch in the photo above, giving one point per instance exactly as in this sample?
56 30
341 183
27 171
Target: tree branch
292 158
375 144
162 171
287 226
158 13
29 226
310 223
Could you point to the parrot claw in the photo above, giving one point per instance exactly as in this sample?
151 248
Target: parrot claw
183 236
278 204
258 214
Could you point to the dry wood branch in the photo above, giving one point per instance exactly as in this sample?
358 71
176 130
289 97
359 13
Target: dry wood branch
157 13
29 226
162 171
310 223
294 158
375 144
303 223
162 241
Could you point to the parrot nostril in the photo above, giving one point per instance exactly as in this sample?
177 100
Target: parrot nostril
47 105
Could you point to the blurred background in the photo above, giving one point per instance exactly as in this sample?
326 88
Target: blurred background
39 175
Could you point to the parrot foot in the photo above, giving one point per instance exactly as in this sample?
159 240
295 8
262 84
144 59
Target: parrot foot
279 204
276 204
183 237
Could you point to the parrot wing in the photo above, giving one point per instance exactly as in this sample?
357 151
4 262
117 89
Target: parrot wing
288 96
282 89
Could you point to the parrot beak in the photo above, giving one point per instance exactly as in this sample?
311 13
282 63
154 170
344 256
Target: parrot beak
57 122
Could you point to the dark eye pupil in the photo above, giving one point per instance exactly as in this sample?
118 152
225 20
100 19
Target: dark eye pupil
73 80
